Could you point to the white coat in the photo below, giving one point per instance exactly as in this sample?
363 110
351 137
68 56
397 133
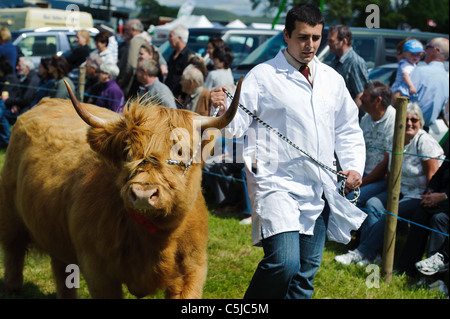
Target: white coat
285 187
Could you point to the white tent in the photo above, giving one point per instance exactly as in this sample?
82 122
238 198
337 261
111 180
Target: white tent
236 24
191 21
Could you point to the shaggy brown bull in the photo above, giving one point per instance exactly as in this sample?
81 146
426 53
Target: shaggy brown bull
113 197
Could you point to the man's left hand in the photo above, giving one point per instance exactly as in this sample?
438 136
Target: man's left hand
353 181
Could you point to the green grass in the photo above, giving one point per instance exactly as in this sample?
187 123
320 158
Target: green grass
231 263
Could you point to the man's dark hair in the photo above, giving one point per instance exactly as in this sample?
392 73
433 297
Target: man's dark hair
343 32
376 89
305 12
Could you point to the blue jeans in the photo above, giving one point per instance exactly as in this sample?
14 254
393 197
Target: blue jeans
369 191
372 230
290 263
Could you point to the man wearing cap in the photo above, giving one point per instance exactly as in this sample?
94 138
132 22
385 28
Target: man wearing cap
411 55
431 81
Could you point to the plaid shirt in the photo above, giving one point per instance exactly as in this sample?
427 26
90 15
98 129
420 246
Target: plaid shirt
353 69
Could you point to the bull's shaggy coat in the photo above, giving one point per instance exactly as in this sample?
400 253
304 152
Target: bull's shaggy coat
69 190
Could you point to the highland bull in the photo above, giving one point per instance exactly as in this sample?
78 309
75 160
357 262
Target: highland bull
112 197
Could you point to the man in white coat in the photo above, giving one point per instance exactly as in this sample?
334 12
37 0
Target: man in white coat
294 200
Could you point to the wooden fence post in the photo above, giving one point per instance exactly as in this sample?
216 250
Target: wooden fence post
395 174
81 82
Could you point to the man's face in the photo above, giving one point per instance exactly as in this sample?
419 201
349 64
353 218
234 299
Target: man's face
141 75
304 41
367 104
334 43
173 39
22 70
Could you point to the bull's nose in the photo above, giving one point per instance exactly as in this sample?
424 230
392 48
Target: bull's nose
143 196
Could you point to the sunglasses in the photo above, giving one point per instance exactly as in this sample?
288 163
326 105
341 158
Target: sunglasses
412 119
429 46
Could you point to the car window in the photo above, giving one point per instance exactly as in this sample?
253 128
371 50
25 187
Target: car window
41 45
242 45
198 43
366 48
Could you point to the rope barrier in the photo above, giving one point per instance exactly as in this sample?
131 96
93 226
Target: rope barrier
363 209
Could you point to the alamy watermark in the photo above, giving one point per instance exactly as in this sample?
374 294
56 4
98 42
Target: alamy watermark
373 19
73 18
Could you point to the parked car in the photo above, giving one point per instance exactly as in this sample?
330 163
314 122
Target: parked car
376 46
241 41
46 42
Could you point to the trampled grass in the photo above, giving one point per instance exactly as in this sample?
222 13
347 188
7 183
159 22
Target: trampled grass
231 263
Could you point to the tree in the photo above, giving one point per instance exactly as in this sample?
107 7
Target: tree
393 13
418 12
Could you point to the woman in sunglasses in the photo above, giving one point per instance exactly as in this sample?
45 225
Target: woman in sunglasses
421 159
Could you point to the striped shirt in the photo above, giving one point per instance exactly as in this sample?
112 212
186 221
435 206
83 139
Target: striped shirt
353 69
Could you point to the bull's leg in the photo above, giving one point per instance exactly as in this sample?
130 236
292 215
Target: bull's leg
188 286
100 285
60 274
14 250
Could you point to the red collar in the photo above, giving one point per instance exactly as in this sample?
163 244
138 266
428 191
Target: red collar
141 220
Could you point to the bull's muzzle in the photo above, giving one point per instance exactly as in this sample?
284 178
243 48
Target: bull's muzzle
143 197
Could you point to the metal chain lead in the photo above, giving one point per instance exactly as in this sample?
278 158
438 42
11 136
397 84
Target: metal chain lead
356 192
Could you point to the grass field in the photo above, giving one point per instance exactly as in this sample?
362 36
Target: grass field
231 263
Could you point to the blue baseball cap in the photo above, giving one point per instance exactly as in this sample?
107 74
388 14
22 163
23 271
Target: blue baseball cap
413 46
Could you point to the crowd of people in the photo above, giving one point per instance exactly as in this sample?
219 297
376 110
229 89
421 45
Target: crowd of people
290 210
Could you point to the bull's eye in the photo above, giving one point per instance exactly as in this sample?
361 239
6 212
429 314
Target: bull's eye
180 152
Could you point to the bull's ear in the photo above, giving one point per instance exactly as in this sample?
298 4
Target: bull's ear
108 141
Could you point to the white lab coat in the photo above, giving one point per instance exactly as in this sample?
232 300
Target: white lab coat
287 187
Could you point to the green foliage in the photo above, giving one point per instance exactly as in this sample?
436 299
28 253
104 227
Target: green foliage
392 13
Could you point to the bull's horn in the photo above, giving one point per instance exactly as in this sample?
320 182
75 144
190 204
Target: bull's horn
227 117
86 116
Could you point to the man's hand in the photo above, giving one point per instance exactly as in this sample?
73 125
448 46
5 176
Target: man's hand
219 99
353 181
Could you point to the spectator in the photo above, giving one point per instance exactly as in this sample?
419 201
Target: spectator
431 81
59 69
412 53
378 129
46 81
135 38
433 212
151 88
92 86
9 83
212 44
29 81
80 53
221 75
178 60
416 174
218 175
112 42
199 63
8 88
111 96
197 96
101 43
7 48
348 63
147 51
